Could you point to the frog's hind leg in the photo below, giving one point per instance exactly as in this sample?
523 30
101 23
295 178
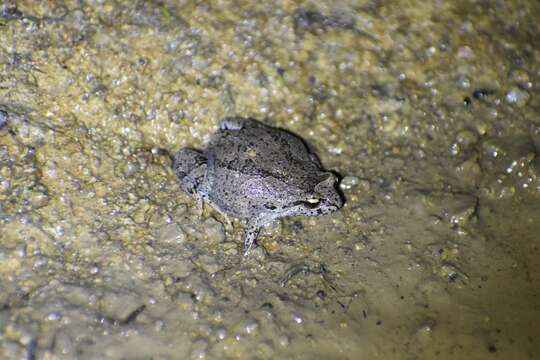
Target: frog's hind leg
226 219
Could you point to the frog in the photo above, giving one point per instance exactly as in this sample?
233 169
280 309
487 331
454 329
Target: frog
258 174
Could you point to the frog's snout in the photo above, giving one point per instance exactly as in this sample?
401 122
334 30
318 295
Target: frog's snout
328 195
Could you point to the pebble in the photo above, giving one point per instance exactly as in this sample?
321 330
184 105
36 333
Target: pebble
456 208
517 96
199 349
221 333
284 341
463 82
176 266
209 264
251 326
171 233
348 182
119 305
213 230
54 316
63 344
467 138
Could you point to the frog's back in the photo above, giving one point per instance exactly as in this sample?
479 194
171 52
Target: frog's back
257 150
258 167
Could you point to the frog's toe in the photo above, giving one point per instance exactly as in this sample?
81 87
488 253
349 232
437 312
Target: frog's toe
232 123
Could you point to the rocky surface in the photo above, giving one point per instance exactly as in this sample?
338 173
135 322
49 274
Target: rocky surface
429 111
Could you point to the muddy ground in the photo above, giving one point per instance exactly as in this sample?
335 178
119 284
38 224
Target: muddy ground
430 112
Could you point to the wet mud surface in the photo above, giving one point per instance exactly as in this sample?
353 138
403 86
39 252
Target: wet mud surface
430 113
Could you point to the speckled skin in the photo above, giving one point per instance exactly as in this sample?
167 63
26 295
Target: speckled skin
259 174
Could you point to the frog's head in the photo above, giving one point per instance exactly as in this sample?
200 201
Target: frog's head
324 199
190 168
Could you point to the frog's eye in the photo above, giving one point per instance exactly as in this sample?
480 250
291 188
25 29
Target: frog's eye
311 203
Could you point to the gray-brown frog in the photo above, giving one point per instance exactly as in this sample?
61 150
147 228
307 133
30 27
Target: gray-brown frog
259 174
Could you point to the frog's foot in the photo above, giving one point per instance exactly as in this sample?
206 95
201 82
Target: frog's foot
232 123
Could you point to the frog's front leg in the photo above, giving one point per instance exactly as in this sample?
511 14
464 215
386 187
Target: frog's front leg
251 234
253 228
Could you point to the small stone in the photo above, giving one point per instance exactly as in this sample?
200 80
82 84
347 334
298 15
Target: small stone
284 341
230 249
119 305
251 326
54 316
359 246
213 230
185 301
469 171
63 344
455 208
221 333
517 96
199 349
176 266
209 264
466 138
463 82
451 272
171 233
348 182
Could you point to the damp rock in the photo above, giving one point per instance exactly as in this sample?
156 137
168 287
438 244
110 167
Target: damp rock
469 171
210 230
63 344
250 326
201 290
76 295
119 306
171 233
455 208
185 301
451 272
424 332
209 264
220 333
213 230
466 138
199 349
463 82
